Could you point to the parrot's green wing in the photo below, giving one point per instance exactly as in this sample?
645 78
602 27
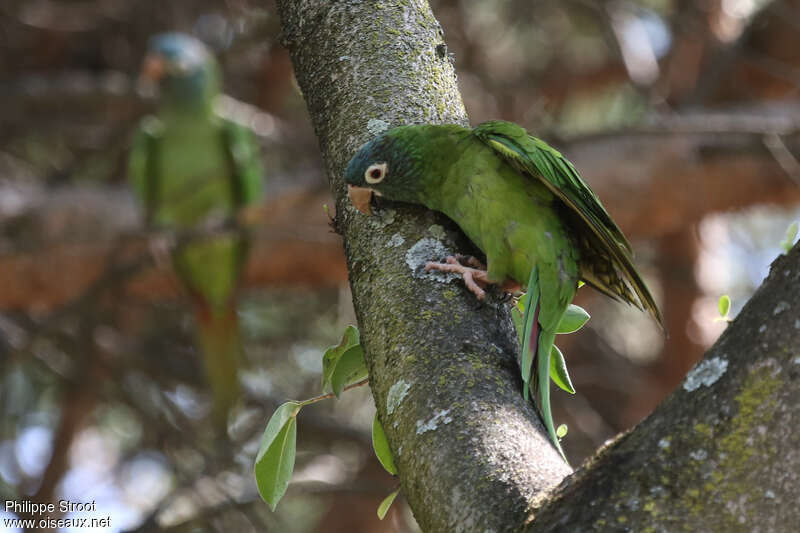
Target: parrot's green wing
245 172
239 148
606 254
142 170
243 161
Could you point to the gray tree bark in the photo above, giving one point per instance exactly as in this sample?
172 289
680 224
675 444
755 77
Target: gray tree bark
722 453
719 455
471 453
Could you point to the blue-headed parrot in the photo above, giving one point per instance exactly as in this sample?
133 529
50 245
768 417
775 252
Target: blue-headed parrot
188 166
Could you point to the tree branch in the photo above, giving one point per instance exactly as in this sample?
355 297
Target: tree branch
443 370
721 453
58 244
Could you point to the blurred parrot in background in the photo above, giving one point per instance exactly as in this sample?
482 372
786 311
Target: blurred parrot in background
189 166
525 206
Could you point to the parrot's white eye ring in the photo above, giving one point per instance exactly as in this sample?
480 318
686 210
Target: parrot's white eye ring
375 173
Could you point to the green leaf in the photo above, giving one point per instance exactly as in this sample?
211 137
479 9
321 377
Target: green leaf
383 508
333 354
561 431
791 234
275 460
558 370
350 368
573 319
381 447
724 305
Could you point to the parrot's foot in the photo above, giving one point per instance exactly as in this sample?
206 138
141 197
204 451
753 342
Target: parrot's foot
475 279
475 275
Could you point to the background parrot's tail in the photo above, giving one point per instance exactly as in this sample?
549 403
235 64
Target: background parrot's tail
219 341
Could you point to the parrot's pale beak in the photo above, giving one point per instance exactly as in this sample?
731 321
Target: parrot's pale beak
361 198
154 67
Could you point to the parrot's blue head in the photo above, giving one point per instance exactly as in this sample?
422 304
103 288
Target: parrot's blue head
387 166
183 67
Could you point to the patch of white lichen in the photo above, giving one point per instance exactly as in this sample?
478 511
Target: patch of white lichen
395 241
397 392
707 372
425 250
440 416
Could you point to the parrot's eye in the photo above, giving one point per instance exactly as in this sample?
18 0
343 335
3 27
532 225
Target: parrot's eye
375 173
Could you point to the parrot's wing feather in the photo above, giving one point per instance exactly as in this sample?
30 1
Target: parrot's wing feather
243 160
143 164
535 158
245 173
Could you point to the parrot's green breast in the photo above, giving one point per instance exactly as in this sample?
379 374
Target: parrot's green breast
511 218
197 181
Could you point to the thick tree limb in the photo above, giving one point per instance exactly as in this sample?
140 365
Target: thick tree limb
471 453
722 453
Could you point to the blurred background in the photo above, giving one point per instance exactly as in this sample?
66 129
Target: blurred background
683 115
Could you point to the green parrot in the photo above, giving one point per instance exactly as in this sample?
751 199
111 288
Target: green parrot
528 210
189 166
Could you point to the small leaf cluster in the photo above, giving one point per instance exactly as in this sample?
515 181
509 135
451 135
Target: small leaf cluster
343 364
343 368
275 459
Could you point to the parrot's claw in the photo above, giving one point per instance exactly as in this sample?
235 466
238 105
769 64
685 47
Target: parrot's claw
475 276
475 279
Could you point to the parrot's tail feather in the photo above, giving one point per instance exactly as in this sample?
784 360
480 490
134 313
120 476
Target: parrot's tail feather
542 386
530 332
533 340
218 337
537 343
